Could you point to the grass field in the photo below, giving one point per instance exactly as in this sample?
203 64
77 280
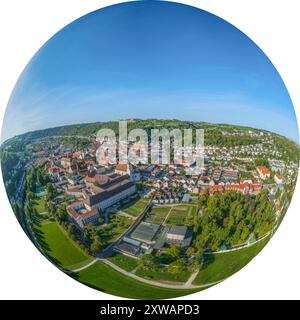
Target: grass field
102 277
222 265
157 214
183 214
116 226
135 208
124 262
61 250
39 205
161 274
177 214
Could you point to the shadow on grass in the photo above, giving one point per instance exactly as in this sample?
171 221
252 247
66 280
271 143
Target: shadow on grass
209 259
130 203
39 235
75 276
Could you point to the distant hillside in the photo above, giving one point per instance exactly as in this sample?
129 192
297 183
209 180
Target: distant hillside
88 129
213 133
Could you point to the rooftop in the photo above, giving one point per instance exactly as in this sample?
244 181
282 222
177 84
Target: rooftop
96 194
178 230
145 231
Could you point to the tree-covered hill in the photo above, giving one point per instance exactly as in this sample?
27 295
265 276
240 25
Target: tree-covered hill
222 135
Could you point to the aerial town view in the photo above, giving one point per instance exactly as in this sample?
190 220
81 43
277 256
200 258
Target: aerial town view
156 227
148 225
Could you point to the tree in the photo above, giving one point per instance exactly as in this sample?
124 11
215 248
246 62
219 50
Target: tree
101 220
30 195
71 231
190 252
177 266
147 261
51 192
199 255
96 245
198 260
203 198
62 213
174 251
51 209
39 178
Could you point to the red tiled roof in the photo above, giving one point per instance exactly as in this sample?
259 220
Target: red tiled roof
121 167
256 186
90 180
72 212
263 170
216 188
90 214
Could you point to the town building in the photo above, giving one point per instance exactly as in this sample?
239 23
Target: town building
278 178
179 235
81 215
74 191
145 232
176 233
264 173
109 189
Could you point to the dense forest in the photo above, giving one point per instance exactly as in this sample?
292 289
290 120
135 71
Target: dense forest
230 218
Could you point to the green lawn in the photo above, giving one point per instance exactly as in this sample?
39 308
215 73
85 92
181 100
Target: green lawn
102 277
157 214
183 214
115 228
222 265
135 208
56 244
39 205
124 262
161 274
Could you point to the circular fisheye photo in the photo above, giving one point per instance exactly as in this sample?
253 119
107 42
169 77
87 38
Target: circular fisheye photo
149 150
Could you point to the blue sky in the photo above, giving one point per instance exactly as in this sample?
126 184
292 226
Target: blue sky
149 59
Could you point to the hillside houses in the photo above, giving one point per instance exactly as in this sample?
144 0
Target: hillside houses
264 173
101 185
278 178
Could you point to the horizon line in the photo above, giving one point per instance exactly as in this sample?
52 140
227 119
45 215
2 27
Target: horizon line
145 119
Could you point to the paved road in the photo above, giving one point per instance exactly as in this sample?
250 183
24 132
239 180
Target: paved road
187 285
86 266
191 279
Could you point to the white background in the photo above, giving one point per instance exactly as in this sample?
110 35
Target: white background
26 25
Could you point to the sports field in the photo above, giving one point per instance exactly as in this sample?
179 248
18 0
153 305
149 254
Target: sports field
61 250
222 265
182 214
106 279
157 215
